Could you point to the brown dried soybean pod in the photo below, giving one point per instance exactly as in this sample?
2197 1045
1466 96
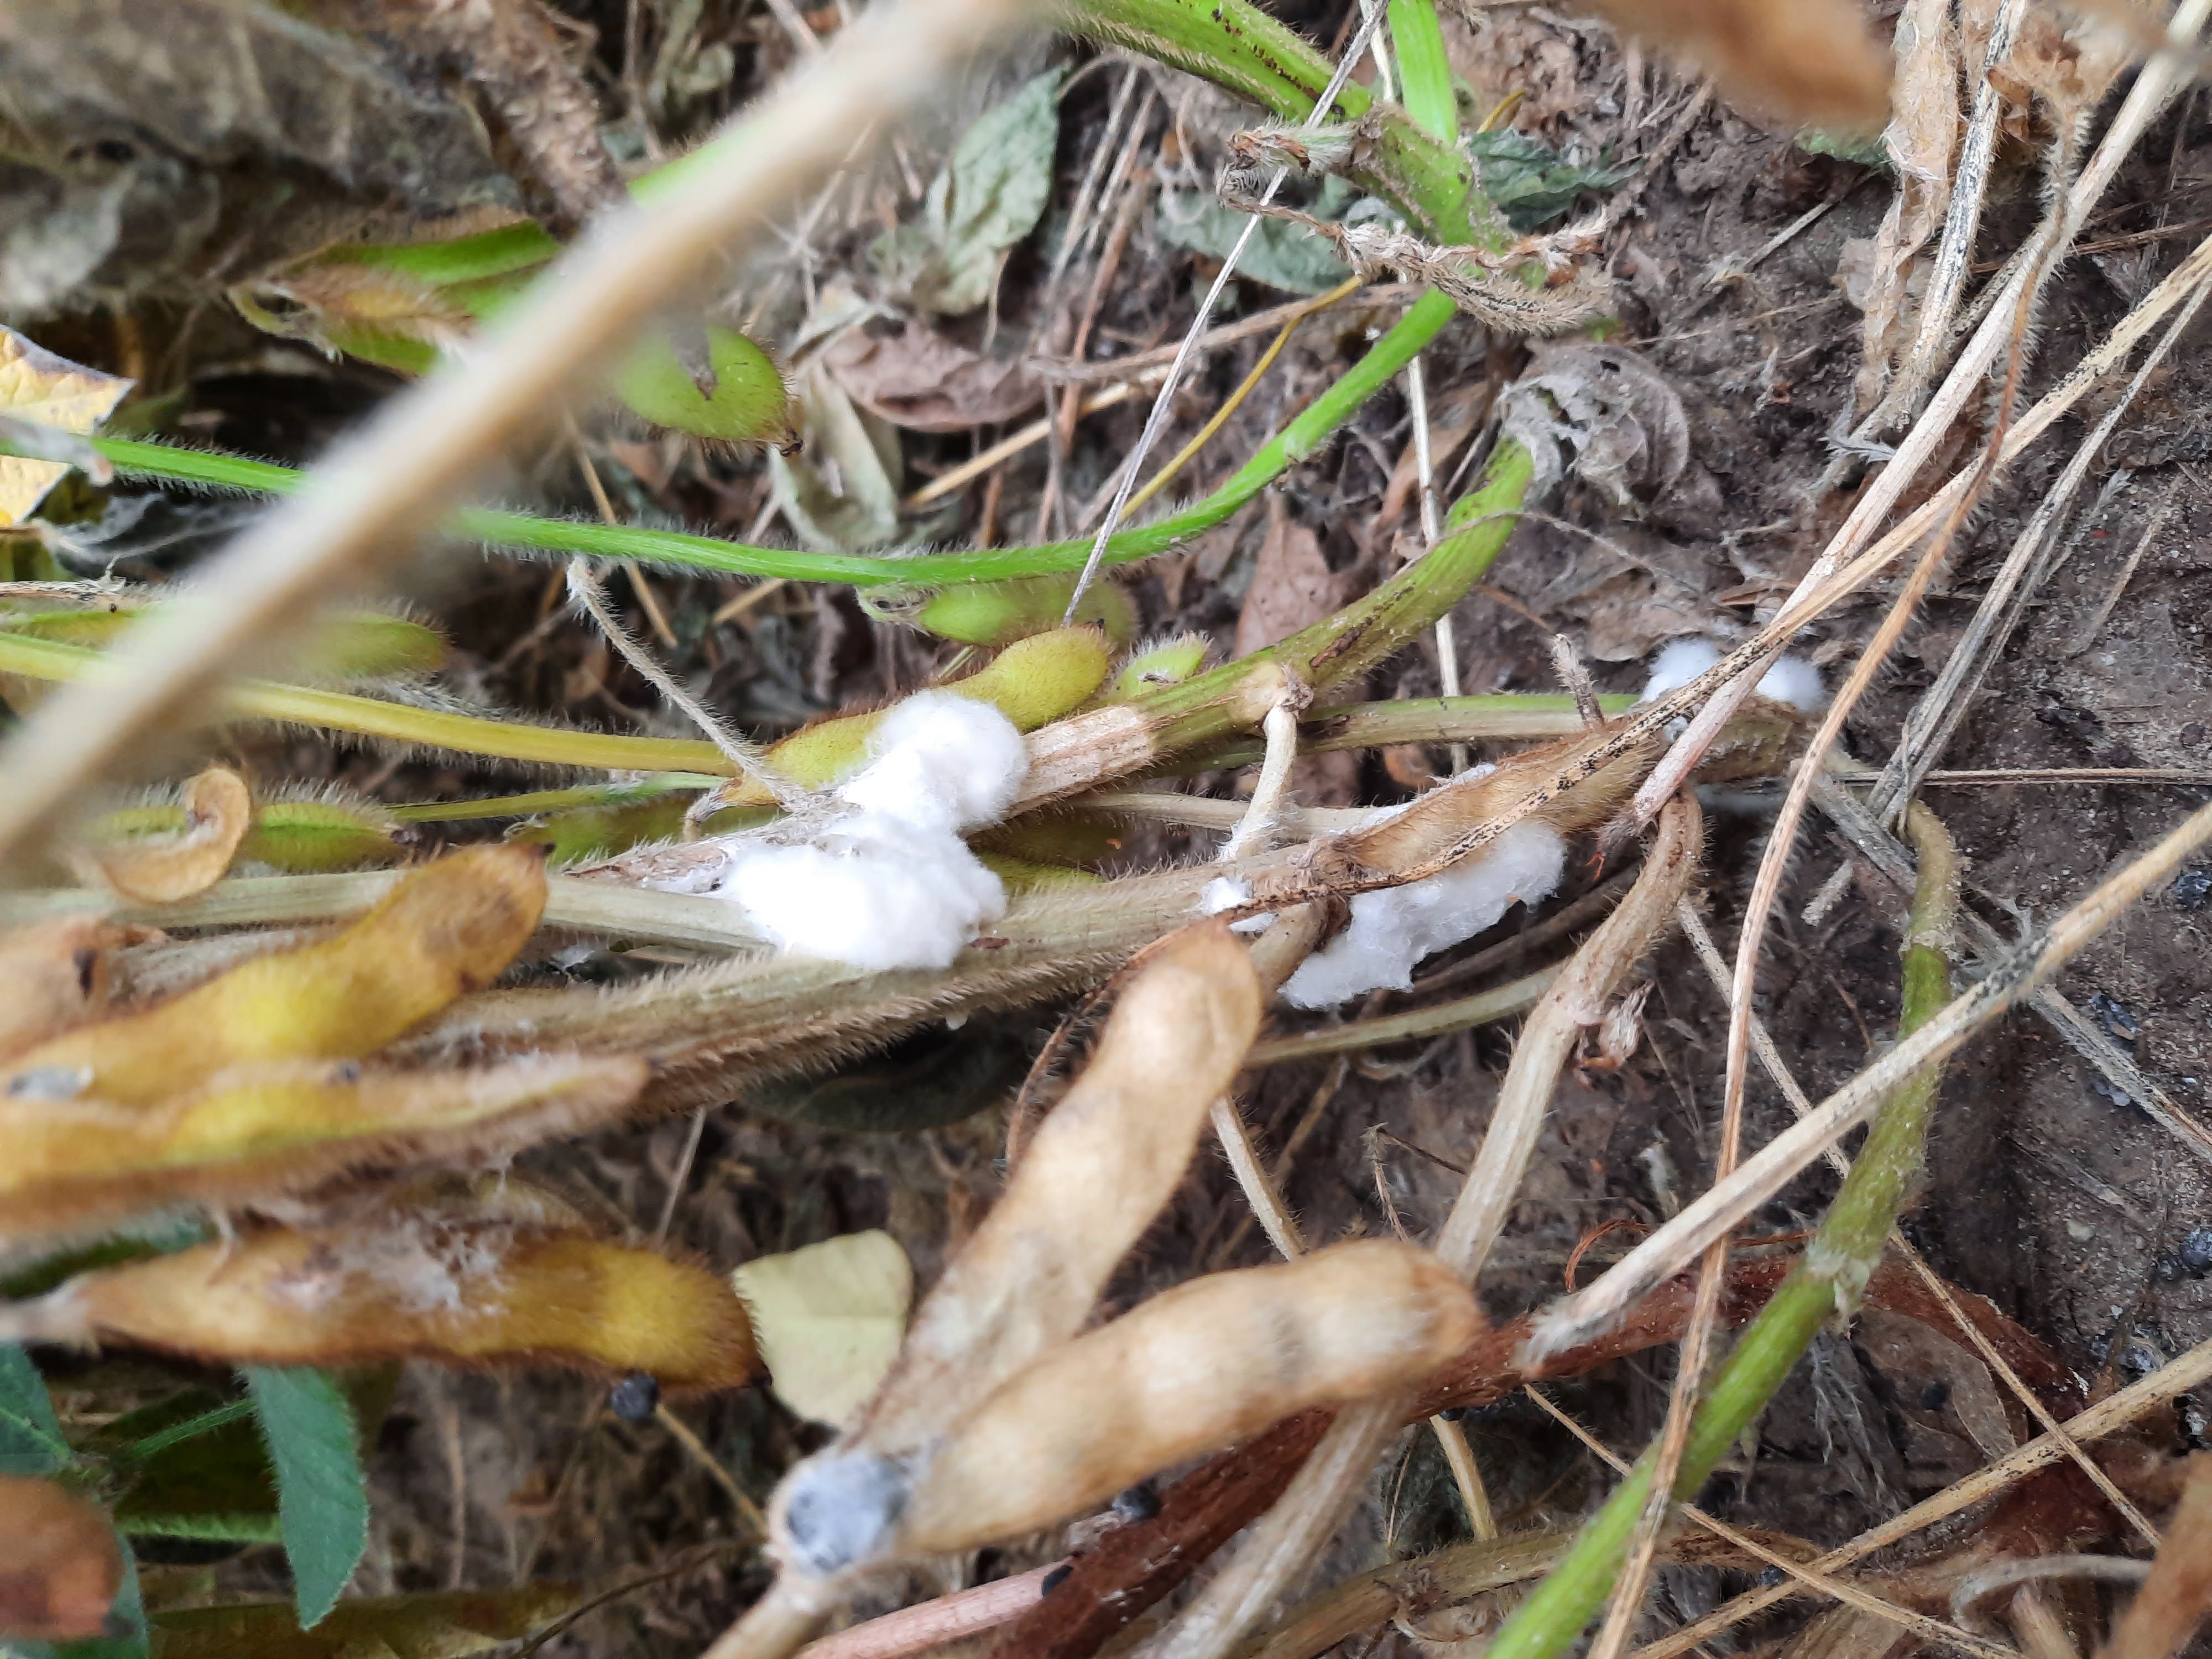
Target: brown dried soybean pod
1094 1176
403 1285
1194 1369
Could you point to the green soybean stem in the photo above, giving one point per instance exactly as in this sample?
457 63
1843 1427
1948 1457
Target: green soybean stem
1829 1280
524 533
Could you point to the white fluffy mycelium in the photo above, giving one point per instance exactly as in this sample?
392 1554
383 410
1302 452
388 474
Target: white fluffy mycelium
1791 680
1394 927
888 883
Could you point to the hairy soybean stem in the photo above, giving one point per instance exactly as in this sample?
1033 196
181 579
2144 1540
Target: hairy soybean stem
1831 1277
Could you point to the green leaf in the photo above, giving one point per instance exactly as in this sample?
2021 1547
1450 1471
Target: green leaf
1280 254
322 1498
30 1440
1529 182
986 197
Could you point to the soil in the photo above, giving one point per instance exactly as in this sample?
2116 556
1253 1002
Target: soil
2065 1205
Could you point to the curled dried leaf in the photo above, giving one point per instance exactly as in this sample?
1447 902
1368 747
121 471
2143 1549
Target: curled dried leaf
1191 1371
447 929
1809 61
414 1283
259 1132
60 1565
56 976
1093 1179
217 812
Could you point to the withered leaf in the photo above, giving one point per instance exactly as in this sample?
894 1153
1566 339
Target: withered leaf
1811 62
919 380
829 1319
252 134
60 1565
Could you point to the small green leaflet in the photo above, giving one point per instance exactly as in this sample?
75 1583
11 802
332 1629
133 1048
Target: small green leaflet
322 1499
986 197
1528 181
30 1440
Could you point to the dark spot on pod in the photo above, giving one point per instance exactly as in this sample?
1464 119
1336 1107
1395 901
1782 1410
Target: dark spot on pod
1139 1503
1935 1395
1053 1580
634 1398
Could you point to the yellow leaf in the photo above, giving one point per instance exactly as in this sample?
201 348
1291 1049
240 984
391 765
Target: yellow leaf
35 385
829 1319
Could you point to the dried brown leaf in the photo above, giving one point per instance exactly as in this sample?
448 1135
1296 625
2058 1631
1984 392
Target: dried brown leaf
1807 61
1292 586
218 813
60 1565
922 380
